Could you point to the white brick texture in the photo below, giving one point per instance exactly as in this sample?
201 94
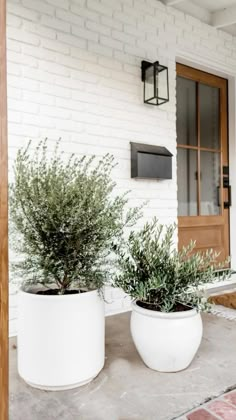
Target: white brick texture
74 72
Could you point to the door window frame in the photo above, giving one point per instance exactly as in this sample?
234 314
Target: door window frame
208 79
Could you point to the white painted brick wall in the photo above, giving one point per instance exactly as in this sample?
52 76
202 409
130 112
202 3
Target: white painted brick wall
74 72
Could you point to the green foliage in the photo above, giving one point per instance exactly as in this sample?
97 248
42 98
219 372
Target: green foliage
66 218
151 270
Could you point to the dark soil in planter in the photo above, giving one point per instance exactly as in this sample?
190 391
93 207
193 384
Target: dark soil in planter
53 292
179 307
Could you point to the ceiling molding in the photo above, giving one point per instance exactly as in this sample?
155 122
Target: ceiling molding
225 17
193 9
171 2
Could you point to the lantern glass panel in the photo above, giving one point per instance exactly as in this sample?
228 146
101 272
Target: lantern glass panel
162 91
149 94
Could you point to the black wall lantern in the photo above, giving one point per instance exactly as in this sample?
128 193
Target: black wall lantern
156 83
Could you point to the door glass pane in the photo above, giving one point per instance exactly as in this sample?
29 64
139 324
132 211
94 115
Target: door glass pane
187 182
186 112
209 100
210 183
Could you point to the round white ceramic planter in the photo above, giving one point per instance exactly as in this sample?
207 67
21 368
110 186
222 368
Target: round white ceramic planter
166 342
60 339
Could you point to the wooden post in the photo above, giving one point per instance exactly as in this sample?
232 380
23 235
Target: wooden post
3 221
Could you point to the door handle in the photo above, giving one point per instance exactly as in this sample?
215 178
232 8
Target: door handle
227 204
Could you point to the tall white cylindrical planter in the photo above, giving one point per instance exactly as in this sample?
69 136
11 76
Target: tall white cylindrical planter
61 341
166 342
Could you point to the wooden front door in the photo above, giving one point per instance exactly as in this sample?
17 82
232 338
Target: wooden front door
202 160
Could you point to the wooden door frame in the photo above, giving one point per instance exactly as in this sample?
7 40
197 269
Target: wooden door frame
4 382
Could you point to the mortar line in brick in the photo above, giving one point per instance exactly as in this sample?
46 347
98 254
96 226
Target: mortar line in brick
227 402
212 413
220 400
207 401
229 393
203 407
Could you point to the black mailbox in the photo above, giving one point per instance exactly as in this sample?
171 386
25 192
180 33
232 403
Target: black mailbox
150 161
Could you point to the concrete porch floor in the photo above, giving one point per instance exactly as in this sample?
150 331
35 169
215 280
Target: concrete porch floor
126 389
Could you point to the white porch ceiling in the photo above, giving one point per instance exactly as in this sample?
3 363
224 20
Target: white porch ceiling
218 13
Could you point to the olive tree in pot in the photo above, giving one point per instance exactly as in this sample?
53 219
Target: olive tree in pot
65 218
168 295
